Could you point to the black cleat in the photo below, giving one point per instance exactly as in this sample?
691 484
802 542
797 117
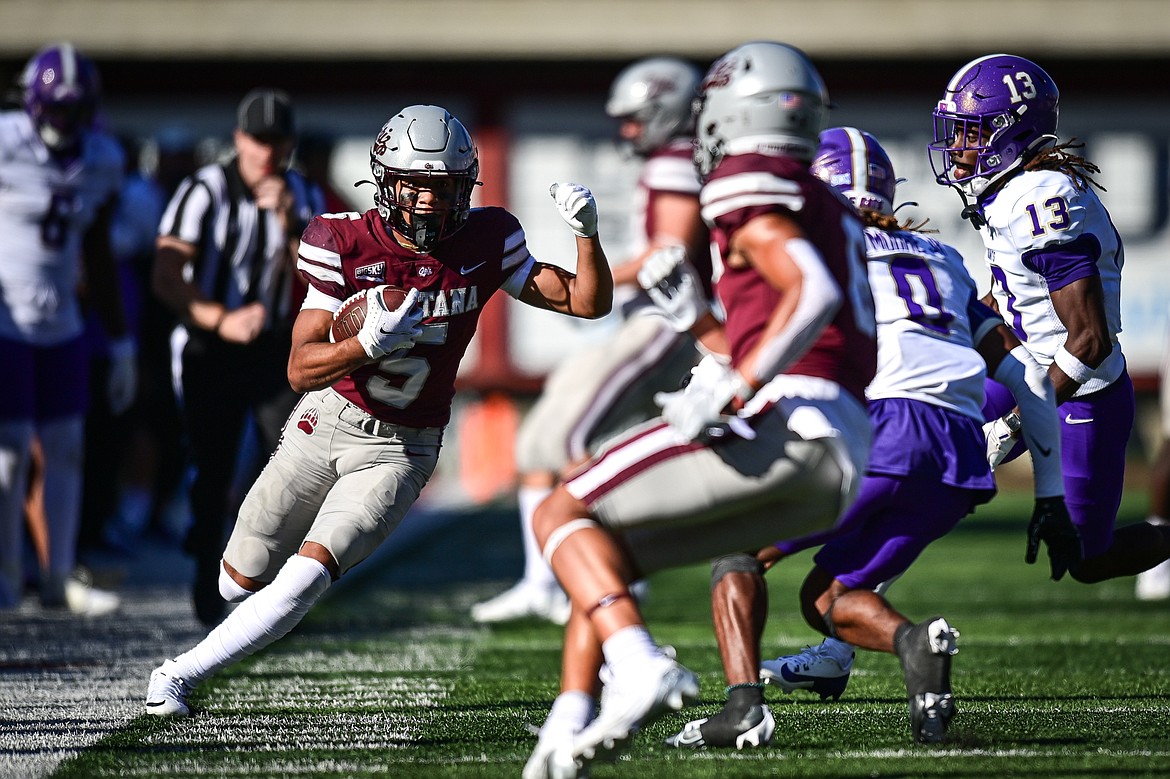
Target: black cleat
752 728
925 651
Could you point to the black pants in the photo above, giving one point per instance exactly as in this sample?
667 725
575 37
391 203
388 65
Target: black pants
222 384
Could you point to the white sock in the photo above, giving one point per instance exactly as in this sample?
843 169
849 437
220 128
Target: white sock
230 589
570 712
629 645
1154 519
536 571
261 619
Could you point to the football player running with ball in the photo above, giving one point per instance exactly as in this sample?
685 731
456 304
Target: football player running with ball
365 438
1055 260
697 484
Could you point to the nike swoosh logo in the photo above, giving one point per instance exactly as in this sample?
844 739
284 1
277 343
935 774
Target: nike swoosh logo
1044 452
465 270
1068 420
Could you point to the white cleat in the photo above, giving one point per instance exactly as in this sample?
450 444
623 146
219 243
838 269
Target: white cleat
540 764
630 703
167 694
814 669
86 600
1153 584
524 601
77 593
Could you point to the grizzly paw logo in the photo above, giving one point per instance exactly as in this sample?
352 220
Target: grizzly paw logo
308 422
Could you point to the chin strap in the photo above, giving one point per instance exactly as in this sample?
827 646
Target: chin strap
971 211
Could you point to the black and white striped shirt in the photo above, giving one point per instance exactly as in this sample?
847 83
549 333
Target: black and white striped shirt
240 252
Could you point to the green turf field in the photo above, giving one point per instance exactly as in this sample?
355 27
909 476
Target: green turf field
1052 679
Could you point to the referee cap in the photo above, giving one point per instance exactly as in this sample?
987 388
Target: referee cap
267 112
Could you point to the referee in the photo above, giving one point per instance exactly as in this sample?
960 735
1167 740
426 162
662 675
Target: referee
224 263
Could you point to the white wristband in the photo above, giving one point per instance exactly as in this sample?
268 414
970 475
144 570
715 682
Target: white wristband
1073 367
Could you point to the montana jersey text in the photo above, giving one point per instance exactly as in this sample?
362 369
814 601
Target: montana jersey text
342 254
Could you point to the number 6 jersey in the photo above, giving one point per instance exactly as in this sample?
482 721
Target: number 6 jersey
45 209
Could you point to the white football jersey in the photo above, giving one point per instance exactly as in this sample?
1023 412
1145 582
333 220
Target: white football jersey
45 209
921 295
1041 229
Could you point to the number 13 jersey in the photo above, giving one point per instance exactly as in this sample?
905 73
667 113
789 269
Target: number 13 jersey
1042 234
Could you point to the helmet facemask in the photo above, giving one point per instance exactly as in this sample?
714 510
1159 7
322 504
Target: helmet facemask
990 137
423 226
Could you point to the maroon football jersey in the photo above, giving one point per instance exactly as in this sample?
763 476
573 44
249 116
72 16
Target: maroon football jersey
344 253
745 186
671 170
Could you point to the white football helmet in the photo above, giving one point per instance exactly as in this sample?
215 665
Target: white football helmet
658 93
423 147
761 95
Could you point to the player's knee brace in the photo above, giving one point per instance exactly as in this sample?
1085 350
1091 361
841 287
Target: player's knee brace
229 589
558 536
738 562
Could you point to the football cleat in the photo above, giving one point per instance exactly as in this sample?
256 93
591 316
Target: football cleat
539 765
814 669
524 601
925 651
930 714
754 728
167 694
631 702
77 593
1153 584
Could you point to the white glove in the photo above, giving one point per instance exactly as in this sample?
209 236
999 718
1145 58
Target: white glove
673 284
577 207
385 331
712 386
122 383
1002 436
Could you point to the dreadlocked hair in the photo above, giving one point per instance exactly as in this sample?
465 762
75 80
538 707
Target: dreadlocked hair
1061 160
889 223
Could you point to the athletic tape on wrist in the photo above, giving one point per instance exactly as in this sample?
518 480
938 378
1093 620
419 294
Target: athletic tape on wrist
1068 362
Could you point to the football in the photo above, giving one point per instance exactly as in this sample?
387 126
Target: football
349 318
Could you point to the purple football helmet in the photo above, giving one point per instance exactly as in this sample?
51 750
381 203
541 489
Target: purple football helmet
60 92
1003 107
855 164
